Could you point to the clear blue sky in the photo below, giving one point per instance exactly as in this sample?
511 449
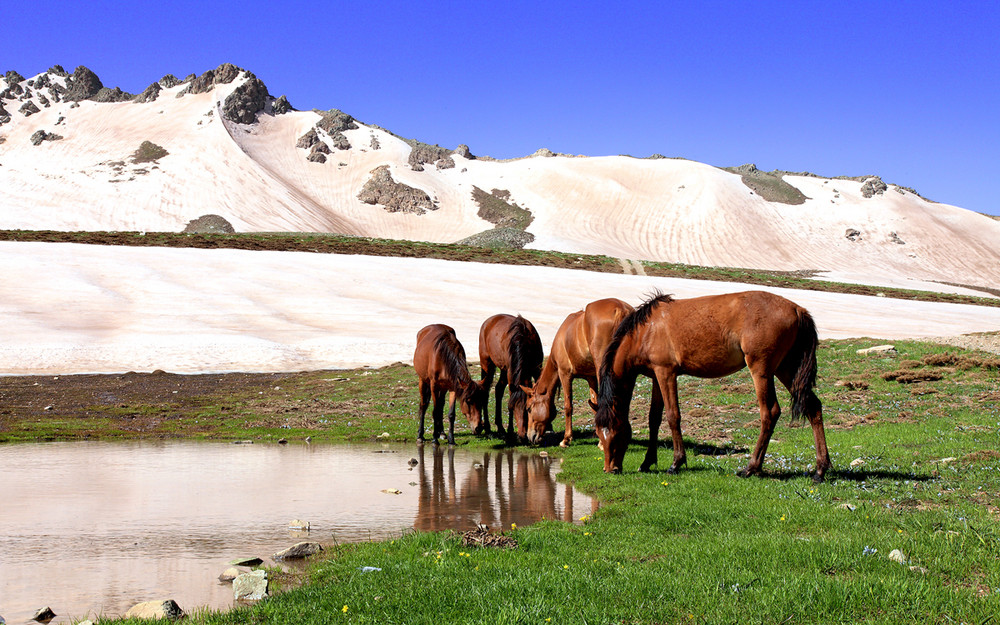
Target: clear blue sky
906 90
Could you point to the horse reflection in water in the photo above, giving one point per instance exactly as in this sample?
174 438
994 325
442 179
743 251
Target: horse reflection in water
503 488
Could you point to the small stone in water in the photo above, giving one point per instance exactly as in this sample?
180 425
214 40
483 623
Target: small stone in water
246 562
230 574
44 615
298 524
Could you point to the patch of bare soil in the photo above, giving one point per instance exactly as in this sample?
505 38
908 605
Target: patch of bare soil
138 399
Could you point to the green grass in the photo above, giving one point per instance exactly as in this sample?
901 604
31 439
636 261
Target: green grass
704 546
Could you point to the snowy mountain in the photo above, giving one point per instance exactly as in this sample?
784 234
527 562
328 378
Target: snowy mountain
76 155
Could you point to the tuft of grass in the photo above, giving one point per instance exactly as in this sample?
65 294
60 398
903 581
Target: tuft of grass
148 152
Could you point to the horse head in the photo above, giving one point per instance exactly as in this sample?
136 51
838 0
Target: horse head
473 400
540 414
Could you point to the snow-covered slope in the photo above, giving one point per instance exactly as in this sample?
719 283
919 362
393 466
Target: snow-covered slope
255 176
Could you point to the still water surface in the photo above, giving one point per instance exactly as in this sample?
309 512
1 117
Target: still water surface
92 528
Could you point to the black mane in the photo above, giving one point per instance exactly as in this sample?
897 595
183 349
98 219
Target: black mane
606 386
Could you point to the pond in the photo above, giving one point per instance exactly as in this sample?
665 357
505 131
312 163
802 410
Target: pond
92 528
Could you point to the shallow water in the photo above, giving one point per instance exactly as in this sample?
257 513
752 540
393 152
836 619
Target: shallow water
93 528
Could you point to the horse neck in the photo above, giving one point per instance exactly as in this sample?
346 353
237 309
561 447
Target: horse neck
548 382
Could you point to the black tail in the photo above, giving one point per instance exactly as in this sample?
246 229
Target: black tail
804 400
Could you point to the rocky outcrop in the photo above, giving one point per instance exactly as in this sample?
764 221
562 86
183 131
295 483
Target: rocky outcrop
873 186
13 77
112 95
281 106
394 196
57 70
423 153
169 81
221 75
28 109
463 151
335 122
319 152
246 101
308 140
852 235
149 94
211 224
82 85
40 135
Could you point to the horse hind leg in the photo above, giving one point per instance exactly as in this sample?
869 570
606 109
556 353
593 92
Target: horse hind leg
813 409
767 402
567 387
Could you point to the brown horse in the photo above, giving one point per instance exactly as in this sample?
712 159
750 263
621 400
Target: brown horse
511 345
710 337
439 361
576 353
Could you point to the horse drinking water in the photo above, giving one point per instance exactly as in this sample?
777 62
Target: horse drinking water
709 337
510 344
439 361
576 353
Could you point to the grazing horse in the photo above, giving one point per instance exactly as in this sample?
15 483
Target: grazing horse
576 353
439 361
511 345
710 337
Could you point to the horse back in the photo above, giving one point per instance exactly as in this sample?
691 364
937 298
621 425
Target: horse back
716 335
437 350
493 340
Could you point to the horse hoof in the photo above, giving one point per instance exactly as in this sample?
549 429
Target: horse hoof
644 468
565 443
817 478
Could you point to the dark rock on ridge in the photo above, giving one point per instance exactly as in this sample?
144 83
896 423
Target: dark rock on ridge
246 101
422 153
394 196
221 75
57 70
82 85
873 186
12 77
112 95
281 106
168 81
149 94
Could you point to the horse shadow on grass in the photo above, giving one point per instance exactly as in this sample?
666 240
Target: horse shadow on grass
729 449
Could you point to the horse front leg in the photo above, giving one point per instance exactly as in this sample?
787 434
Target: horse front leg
767 402
567 385
666 382
655 417
439 399
451 418
425 400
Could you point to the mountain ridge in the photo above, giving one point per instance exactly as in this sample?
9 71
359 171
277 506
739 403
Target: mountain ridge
235 151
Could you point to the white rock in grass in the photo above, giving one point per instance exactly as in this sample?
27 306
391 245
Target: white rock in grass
250 586
879 350
897 556
857 462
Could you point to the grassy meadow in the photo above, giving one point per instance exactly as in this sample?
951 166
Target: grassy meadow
915 443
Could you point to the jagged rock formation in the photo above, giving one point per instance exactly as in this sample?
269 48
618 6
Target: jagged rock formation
423 153
246 101
281 106
149 94
82 85
873 186
394 196
41 135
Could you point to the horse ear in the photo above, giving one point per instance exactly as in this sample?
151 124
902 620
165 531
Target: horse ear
528 390
593 404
